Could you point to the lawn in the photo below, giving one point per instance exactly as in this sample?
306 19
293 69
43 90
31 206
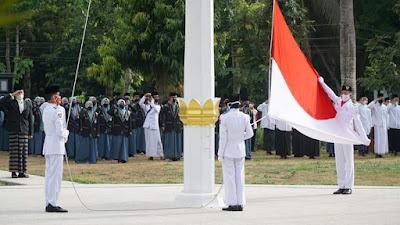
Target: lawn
262 170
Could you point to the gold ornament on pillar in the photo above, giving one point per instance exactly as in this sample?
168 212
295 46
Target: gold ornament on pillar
195 115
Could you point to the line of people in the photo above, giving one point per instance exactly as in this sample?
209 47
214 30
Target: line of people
380 119
113 130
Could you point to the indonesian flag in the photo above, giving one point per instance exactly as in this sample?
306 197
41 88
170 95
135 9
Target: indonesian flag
296 96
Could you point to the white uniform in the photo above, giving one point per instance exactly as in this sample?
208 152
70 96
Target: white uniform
268 122
55 128
344 154
235 128
394 116
380 120
365 117
151 127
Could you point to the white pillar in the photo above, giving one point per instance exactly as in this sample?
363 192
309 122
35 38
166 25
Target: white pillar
198 117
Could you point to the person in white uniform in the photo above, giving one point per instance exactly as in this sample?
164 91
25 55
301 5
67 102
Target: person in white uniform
344 153
235 128
268 124
380 120
366 120
55 128
394 125
151 127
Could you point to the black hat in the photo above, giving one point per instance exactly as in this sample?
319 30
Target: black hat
387 99
154 93
18 87
136 93
51 90
380 94
127 94
347 88
172 94
234 98
394 96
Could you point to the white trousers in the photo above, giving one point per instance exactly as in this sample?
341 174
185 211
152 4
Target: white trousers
344 157
154 146
53 178
381 145
233 175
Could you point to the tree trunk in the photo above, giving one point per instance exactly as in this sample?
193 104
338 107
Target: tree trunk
27 82
16 49
109 90
128 80
236 88
348 45
7 55
162 83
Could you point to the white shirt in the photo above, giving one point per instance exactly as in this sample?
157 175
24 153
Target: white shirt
394 116
379 113
152 112
235 128
283 126
268 122
54 125
365 117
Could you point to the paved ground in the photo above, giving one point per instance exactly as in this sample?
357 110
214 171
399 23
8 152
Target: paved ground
266 204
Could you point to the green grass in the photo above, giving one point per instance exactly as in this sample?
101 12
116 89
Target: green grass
262 169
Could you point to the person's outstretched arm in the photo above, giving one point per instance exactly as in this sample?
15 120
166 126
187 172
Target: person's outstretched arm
331 94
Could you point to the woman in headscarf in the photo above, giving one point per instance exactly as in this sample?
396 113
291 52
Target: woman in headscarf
38 136
89 131
64 103
121 131
3 132
94 101
105 120
73 127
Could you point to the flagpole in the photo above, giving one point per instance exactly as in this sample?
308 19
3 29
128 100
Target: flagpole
270 50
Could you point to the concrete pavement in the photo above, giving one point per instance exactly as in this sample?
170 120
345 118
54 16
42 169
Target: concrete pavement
152 204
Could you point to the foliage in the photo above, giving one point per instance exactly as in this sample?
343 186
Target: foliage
383 73
8 14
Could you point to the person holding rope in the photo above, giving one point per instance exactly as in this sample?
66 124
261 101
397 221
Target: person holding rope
55 128
235 128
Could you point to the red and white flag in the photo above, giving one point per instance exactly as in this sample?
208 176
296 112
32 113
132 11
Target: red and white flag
296 96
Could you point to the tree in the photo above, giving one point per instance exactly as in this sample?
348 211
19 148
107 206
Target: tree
348 45
383 73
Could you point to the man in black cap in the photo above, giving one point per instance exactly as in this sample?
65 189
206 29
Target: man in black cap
235 128
344 153
55 128
19 122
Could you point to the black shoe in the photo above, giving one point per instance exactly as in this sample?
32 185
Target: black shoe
311 157
330 155
340 191
231 208
269 153
57 209
347 192
151 158
14 175
239 208
22 175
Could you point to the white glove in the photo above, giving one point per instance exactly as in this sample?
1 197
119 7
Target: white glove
65 134
321 79
220 158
